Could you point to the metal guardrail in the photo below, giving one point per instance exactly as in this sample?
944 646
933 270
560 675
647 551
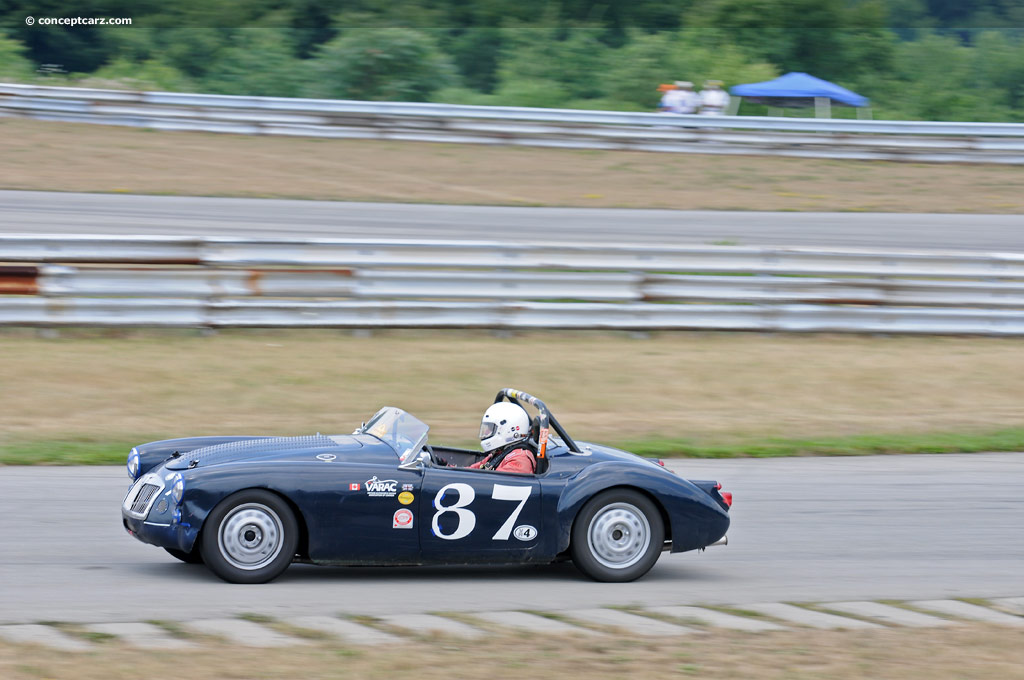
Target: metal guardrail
825 138
56 280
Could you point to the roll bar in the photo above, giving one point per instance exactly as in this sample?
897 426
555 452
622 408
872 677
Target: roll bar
546 419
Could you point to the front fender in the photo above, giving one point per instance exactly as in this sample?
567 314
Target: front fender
695 519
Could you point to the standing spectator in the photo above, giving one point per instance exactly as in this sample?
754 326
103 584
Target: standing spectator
713 99
668 95
679 98
689 100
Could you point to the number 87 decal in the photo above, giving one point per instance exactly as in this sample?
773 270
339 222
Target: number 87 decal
467 519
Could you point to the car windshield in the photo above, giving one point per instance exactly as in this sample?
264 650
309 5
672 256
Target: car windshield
403 432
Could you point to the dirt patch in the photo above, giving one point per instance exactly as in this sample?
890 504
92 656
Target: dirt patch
602 386
47 156
971 651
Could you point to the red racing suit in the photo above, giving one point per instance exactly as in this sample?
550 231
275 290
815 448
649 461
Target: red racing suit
518 460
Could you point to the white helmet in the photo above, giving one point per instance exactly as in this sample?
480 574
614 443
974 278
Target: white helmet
503 424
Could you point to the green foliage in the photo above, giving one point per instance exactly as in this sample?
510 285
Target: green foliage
665 57
390 64
150 75
939 78
538 92
13 64
477 53
260 62
575 59
824 37
915 59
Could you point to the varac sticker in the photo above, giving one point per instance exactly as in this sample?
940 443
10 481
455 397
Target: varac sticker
381 488
402 519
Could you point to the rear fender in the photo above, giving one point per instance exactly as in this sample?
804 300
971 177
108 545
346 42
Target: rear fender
693 516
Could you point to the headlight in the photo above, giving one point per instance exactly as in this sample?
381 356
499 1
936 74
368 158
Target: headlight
178 488
134 464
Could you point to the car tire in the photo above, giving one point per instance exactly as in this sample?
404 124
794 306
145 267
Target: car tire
193 557
250 537
617 536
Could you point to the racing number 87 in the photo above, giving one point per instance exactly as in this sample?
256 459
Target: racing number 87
466 517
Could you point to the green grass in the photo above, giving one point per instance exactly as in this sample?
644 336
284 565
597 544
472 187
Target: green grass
66 452
1011 439
88 452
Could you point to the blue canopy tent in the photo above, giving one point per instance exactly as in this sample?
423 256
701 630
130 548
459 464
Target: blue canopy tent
800 89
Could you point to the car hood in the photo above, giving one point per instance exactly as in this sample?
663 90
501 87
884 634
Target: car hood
267 448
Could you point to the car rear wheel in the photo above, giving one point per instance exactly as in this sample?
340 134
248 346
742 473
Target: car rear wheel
250 537
617 536
193 557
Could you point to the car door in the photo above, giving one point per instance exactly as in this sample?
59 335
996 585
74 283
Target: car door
479 515
361 513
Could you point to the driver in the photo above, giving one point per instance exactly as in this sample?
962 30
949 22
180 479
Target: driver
504 430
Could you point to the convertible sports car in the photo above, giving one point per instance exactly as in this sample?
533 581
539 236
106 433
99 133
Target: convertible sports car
249 506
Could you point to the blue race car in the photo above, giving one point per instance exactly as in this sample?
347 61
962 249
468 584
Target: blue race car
249 506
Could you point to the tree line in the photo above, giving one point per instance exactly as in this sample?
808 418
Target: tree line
915 59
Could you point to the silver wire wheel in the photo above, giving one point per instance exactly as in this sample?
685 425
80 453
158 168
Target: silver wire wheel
250 536
619 536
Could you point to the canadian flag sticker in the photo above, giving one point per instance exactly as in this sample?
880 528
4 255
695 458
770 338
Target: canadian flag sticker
354 486
402 519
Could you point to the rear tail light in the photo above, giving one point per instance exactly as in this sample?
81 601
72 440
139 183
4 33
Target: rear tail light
726 495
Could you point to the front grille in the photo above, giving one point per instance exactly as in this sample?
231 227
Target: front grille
142 500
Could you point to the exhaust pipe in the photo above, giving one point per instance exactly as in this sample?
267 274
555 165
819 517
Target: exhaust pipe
724 540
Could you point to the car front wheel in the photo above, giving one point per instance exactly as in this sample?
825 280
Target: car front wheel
250 537
617 536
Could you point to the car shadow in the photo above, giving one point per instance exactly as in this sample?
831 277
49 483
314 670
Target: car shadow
562 571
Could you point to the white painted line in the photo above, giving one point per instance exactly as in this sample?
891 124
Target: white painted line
639 625
349 631
806 617
1013 604
885 613
142 635
532 623
420 623
710 617
48 636
973 612
242 632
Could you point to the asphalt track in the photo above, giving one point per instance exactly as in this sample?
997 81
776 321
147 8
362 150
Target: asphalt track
44 212
804 529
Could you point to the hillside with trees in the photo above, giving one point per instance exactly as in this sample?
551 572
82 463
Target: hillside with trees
915 59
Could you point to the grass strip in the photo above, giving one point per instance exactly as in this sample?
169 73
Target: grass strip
89 452
1011 439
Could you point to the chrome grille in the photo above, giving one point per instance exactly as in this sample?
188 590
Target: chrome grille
142 500
142 495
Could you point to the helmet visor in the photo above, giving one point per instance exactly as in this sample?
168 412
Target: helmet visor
487 429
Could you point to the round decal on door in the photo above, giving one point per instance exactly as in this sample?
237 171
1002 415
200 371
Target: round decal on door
402 519
525 532
405 498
